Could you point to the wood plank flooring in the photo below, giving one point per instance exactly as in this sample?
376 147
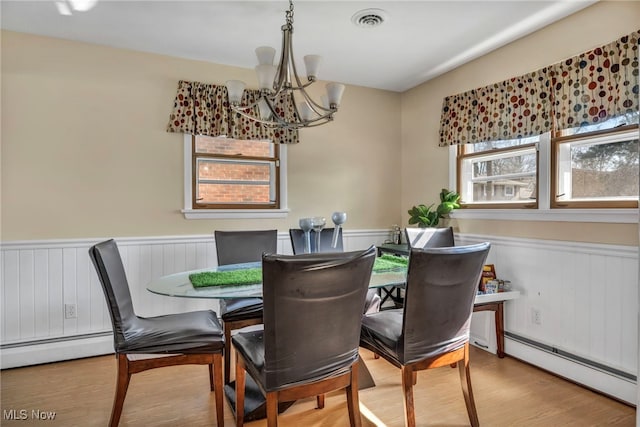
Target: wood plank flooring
507 393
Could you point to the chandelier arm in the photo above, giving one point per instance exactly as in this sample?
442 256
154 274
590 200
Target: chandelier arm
317 108
281 123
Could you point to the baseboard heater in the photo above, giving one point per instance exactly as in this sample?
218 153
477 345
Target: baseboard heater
570 356
55 340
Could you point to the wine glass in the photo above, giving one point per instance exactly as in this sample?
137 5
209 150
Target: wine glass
338 219
306 225
318 224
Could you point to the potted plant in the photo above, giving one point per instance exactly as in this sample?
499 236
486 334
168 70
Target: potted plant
426 216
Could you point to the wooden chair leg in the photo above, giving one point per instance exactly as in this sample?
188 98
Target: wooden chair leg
217 386
240 384
353 401
272 409
467 391
227 354
320 401
407 394
122 384
211 378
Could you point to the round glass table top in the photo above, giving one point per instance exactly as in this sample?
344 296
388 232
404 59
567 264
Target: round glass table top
179 285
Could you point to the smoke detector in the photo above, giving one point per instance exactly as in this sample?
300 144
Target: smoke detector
369 18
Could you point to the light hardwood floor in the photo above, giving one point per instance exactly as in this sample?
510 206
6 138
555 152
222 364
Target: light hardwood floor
507 393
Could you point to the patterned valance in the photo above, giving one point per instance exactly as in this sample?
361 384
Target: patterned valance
585 89
203 109
513 108
597 85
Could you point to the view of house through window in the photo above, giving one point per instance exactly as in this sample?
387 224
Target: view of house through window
499 172
231 173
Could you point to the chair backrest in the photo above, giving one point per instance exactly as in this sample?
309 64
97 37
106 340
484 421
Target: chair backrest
235 247
108 264
326 238
429 237
313 306
442 284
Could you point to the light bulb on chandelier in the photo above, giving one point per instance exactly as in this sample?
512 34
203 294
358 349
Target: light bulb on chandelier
280 86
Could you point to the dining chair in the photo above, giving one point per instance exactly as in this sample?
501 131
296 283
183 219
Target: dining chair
421 238
313 307
429 237
233 247
143 343
373 301
432 329
326 239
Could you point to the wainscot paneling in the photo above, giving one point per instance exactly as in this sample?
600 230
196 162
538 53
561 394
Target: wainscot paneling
587 299
586 295
40 278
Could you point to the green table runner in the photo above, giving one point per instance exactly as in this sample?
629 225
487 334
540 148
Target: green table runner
254 275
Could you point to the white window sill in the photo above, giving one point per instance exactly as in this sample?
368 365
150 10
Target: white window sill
234 213
624 216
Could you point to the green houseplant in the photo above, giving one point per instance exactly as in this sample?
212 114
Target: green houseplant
426 216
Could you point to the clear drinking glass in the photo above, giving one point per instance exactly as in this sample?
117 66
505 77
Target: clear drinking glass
306 225
338 219
318 224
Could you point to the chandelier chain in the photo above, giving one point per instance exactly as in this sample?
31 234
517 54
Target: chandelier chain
289 14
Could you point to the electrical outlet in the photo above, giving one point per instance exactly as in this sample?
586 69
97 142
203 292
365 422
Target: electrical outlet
536 316
70 311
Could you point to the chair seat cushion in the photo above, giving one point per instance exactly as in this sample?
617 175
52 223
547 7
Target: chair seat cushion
381 333
372 303
251 346
182 333
240 309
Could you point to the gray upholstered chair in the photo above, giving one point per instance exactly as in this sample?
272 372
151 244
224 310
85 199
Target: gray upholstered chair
326 239
422 238
235 247
432 329
313 306
429 237
183 338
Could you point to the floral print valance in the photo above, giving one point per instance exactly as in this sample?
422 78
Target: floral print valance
203 109
586 89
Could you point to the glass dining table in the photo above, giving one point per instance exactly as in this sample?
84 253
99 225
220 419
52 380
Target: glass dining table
180 285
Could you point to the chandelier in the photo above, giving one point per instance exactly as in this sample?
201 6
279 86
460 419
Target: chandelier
280 85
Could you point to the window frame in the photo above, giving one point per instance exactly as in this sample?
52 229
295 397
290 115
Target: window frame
461 156
233 211
556 143
544 211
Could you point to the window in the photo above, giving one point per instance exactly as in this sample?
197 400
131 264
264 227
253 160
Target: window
231 178
589 168
595 169
499 174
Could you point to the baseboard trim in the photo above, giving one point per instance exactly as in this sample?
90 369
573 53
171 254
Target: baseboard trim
55 351
616 387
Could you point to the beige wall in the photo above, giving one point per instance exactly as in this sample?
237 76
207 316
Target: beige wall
85 153
425 165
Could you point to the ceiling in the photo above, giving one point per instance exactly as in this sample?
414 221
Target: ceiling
418 40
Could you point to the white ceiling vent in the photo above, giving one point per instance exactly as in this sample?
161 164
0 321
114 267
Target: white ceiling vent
369 18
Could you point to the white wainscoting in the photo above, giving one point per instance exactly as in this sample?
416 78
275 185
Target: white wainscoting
587 295
39 277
